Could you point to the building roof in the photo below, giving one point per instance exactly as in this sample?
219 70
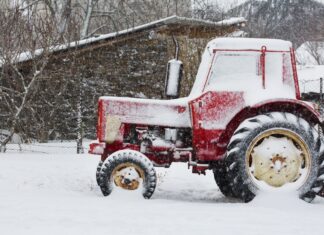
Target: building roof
154 24
172 20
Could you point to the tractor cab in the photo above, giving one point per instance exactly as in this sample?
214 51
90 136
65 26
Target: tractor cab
261 68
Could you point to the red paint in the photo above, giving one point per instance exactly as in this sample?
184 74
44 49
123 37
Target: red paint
209 114
293 62
248 50
263 53
100 120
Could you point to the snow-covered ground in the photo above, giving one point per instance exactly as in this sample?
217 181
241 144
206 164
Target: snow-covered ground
56 193
309 77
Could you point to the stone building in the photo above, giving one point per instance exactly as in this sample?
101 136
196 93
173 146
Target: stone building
126 63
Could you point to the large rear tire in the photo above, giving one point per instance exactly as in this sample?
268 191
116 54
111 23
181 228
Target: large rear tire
221 178
321 192
127 169
275 150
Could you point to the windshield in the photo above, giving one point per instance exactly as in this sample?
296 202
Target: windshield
242 71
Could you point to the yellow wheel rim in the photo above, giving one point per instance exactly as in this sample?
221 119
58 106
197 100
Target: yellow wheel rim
278 157
128 176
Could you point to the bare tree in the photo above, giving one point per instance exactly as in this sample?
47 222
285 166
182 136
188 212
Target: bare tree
104 16
316 51
207 10
61 12
86 21
311 53
21 40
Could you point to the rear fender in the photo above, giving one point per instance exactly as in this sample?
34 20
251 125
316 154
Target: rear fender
299 108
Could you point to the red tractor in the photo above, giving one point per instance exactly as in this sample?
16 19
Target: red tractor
243 119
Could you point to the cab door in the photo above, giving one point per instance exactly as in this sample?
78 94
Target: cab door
211 112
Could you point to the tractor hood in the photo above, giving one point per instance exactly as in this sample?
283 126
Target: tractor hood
113 111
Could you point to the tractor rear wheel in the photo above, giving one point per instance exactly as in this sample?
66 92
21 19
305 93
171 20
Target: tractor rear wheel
220 175
321 192
273 151
129 170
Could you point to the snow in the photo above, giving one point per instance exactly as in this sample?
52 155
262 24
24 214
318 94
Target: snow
56 193
249 43
253 97
15 139
304 56
309 72
237 33
180 101
309 78
232 21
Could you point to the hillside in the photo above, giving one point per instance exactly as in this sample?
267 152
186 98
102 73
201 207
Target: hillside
294 20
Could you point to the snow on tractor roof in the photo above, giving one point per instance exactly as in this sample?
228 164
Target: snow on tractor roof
249 44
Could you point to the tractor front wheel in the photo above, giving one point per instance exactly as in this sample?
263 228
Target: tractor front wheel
129 170
98 171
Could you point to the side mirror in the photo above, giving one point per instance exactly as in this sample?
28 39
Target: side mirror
173 78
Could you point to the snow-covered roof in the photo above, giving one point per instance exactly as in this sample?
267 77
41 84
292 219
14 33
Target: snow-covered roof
249 44
166 21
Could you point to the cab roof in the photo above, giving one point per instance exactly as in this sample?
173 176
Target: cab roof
249 44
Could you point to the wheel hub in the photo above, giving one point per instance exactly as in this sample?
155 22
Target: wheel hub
128 176
276 160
